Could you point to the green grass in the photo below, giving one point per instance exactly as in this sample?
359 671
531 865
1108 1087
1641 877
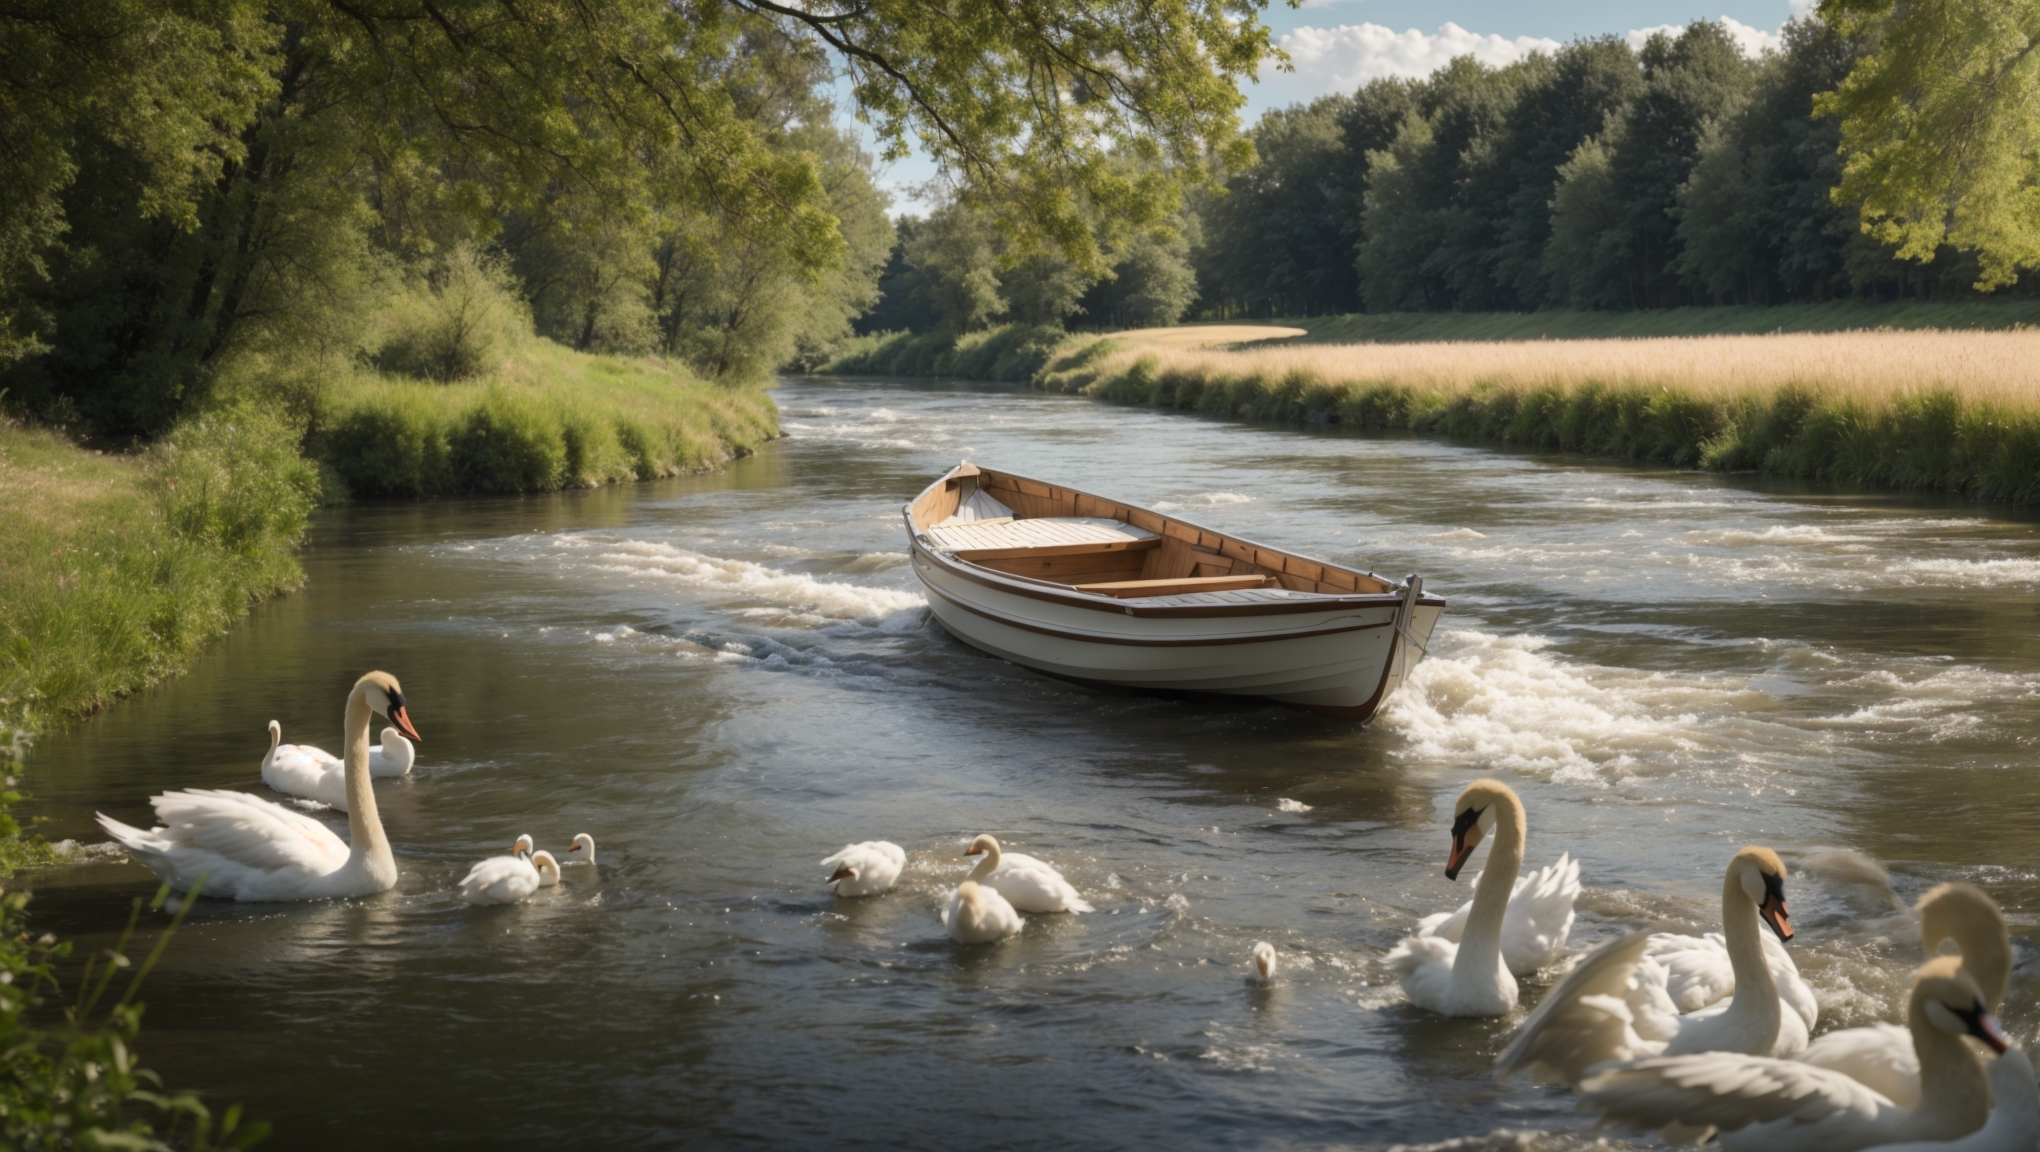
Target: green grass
115 569
1011 352
1839 316
550 418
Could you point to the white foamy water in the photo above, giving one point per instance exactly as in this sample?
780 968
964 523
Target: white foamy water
1774 535
1506 703
790 597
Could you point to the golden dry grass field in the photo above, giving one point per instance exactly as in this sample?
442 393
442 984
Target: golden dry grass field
1957 411
1873 367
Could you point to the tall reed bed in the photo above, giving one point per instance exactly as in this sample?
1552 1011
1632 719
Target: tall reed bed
114 569
1955 412
550 418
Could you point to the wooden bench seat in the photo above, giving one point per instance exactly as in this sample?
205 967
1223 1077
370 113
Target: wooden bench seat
1127 589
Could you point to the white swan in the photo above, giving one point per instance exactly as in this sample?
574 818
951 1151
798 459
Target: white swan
1761 1104
315 774
1604 1011
1465 974
1264 960
1881 1055
2014 1113
1029 884
251 849
1695 972
979 915
584 843
1538 920
866 869
509 879
392 757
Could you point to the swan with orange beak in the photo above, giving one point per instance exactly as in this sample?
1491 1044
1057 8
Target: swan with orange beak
1613 1007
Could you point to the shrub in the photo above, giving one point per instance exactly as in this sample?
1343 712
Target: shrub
457 323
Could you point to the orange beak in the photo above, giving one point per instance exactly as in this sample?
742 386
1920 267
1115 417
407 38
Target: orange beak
843 873
1984 1027
968 855
402 720
575 848
1774 913
1457 860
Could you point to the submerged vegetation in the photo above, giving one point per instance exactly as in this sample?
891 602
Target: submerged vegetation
1942 411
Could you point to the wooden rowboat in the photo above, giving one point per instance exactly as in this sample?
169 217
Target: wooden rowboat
1095 590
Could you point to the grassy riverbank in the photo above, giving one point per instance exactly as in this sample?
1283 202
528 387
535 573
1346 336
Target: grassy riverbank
1956 412
115 569
549 418
1009 352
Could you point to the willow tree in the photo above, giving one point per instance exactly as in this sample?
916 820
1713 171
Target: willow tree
1941 128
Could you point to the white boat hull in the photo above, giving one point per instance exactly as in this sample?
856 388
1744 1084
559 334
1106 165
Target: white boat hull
1344 660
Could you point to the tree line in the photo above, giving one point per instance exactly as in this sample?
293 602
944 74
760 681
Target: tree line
1594 177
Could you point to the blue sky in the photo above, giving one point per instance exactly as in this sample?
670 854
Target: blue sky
1337 45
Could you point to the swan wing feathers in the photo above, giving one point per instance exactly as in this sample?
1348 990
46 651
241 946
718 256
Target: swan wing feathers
1880 1056
1452 925
1423 966
1696 968
1540 916
1795 1105
1585 1021
246 830
1033 886
293 773
499 880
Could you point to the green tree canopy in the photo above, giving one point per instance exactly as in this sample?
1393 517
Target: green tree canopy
189 181
1941 127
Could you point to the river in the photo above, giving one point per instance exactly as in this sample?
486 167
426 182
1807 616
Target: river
725 678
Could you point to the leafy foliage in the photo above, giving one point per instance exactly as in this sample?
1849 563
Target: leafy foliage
1597 177
1941 126
204 183
73 1082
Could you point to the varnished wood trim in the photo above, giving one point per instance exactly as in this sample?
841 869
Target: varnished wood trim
1063 594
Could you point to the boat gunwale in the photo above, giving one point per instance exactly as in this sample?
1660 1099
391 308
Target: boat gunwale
1048 590
1156 641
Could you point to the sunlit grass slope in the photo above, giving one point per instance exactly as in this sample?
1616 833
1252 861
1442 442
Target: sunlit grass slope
1952 411
549 418
114 569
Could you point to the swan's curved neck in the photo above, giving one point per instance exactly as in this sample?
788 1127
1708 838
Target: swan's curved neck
988 865
1480 944
275 735
369 847
1986 948
1756 990
1954 1091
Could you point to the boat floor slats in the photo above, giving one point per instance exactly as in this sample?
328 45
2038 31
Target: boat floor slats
1041 532
1238 596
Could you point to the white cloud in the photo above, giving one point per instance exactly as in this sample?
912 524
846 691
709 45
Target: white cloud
1341 59
1752 41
